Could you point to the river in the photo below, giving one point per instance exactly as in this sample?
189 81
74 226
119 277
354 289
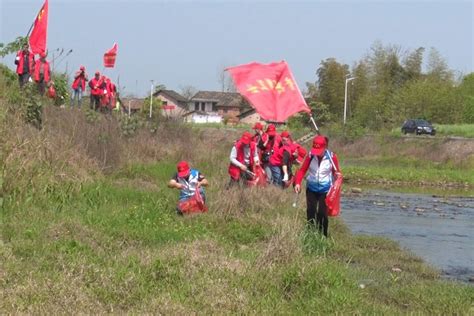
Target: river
439 229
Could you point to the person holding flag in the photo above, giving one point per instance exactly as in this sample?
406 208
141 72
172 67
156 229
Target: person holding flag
42 73
25 63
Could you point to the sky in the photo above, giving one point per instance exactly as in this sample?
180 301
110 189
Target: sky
189 43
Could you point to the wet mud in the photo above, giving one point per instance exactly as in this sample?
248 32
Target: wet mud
439 229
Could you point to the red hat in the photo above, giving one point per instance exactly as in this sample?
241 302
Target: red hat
246 138
258 126
319 145
271 130
97 73
43 55
183 169
285 134
82 68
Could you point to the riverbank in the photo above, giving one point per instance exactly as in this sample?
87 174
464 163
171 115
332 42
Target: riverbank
88 225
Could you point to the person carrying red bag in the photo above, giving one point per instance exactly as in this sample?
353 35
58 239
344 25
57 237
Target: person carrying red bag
190 182
323 167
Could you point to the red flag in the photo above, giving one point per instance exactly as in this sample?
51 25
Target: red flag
270 89
109 57
40 30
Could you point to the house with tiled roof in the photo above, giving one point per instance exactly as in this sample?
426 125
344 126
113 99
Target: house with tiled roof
173 104
227 104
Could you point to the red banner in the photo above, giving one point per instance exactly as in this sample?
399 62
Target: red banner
270 89
40 30
109 57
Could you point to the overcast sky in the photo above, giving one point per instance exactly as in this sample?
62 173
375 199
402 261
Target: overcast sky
179 43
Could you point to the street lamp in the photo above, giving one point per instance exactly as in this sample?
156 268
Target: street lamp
151 97
345 98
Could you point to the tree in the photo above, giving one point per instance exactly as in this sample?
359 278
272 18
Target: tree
188 91
225 81
437 68
331 84
413 63
466 91
13 47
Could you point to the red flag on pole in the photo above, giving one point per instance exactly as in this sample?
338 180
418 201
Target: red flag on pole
109 57
40 31
270 89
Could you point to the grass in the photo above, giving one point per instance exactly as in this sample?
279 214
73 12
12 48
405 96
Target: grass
114 246
87 225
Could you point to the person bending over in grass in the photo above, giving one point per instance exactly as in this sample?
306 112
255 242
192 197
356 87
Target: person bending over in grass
188 181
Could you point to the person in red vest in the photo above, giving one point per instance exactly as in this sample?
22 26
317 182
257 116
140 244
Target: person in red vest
111 92
280 160
243 158
96 91
269 146
105 96
322 167
260 138
42 74
25 63
79 86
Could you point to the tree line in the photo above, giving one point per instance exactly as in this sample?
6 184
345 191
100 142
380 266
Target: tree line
391 85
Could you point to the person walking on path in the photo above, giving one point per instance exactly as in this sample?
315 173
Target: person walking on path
188 181
280 160
243 158
25 63
79 86
42 73
322 167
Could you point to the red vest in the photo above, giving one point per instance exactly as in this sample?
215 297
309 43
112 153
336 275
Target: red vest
38 65
78 78
234 171
19 61
95 85
277 158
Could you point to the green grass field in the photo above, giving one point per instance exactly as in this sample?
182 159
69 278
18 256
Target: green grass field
116 245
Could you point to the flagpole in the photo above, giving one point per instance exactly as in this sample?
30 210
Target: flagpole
314 123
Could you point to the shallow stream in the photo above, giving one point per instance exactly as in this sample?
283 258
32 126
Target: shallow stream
438 229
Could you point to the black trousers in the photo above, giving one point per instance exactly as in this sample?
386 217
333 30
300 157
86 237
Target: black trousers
316 211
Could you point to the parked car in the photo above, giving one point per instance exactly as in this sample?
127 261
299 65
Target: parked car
418 127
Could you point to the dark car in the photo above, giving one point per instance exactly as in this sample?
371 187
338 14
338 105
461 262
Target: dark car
418 127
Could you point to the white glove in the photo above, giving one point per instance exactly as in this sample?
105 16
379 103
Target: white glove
285 178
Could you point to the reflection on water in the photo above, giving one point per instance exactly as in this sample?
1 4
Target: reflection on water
438 229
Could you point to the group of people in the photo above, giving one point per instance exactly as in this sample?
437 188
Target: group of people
276 153
103 92
28 67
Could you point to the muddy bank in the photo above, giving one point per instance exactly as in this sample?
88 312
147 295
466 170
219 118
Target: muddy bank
438 229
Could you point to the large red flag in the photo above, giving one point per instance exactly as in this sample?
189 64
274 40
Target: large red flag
40 31
109 57
270 89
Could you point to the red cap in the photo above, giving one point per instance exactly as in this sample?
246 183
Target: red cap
285 134
319 145
43 55
258 126
183 169
82 68
271 130
246 138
